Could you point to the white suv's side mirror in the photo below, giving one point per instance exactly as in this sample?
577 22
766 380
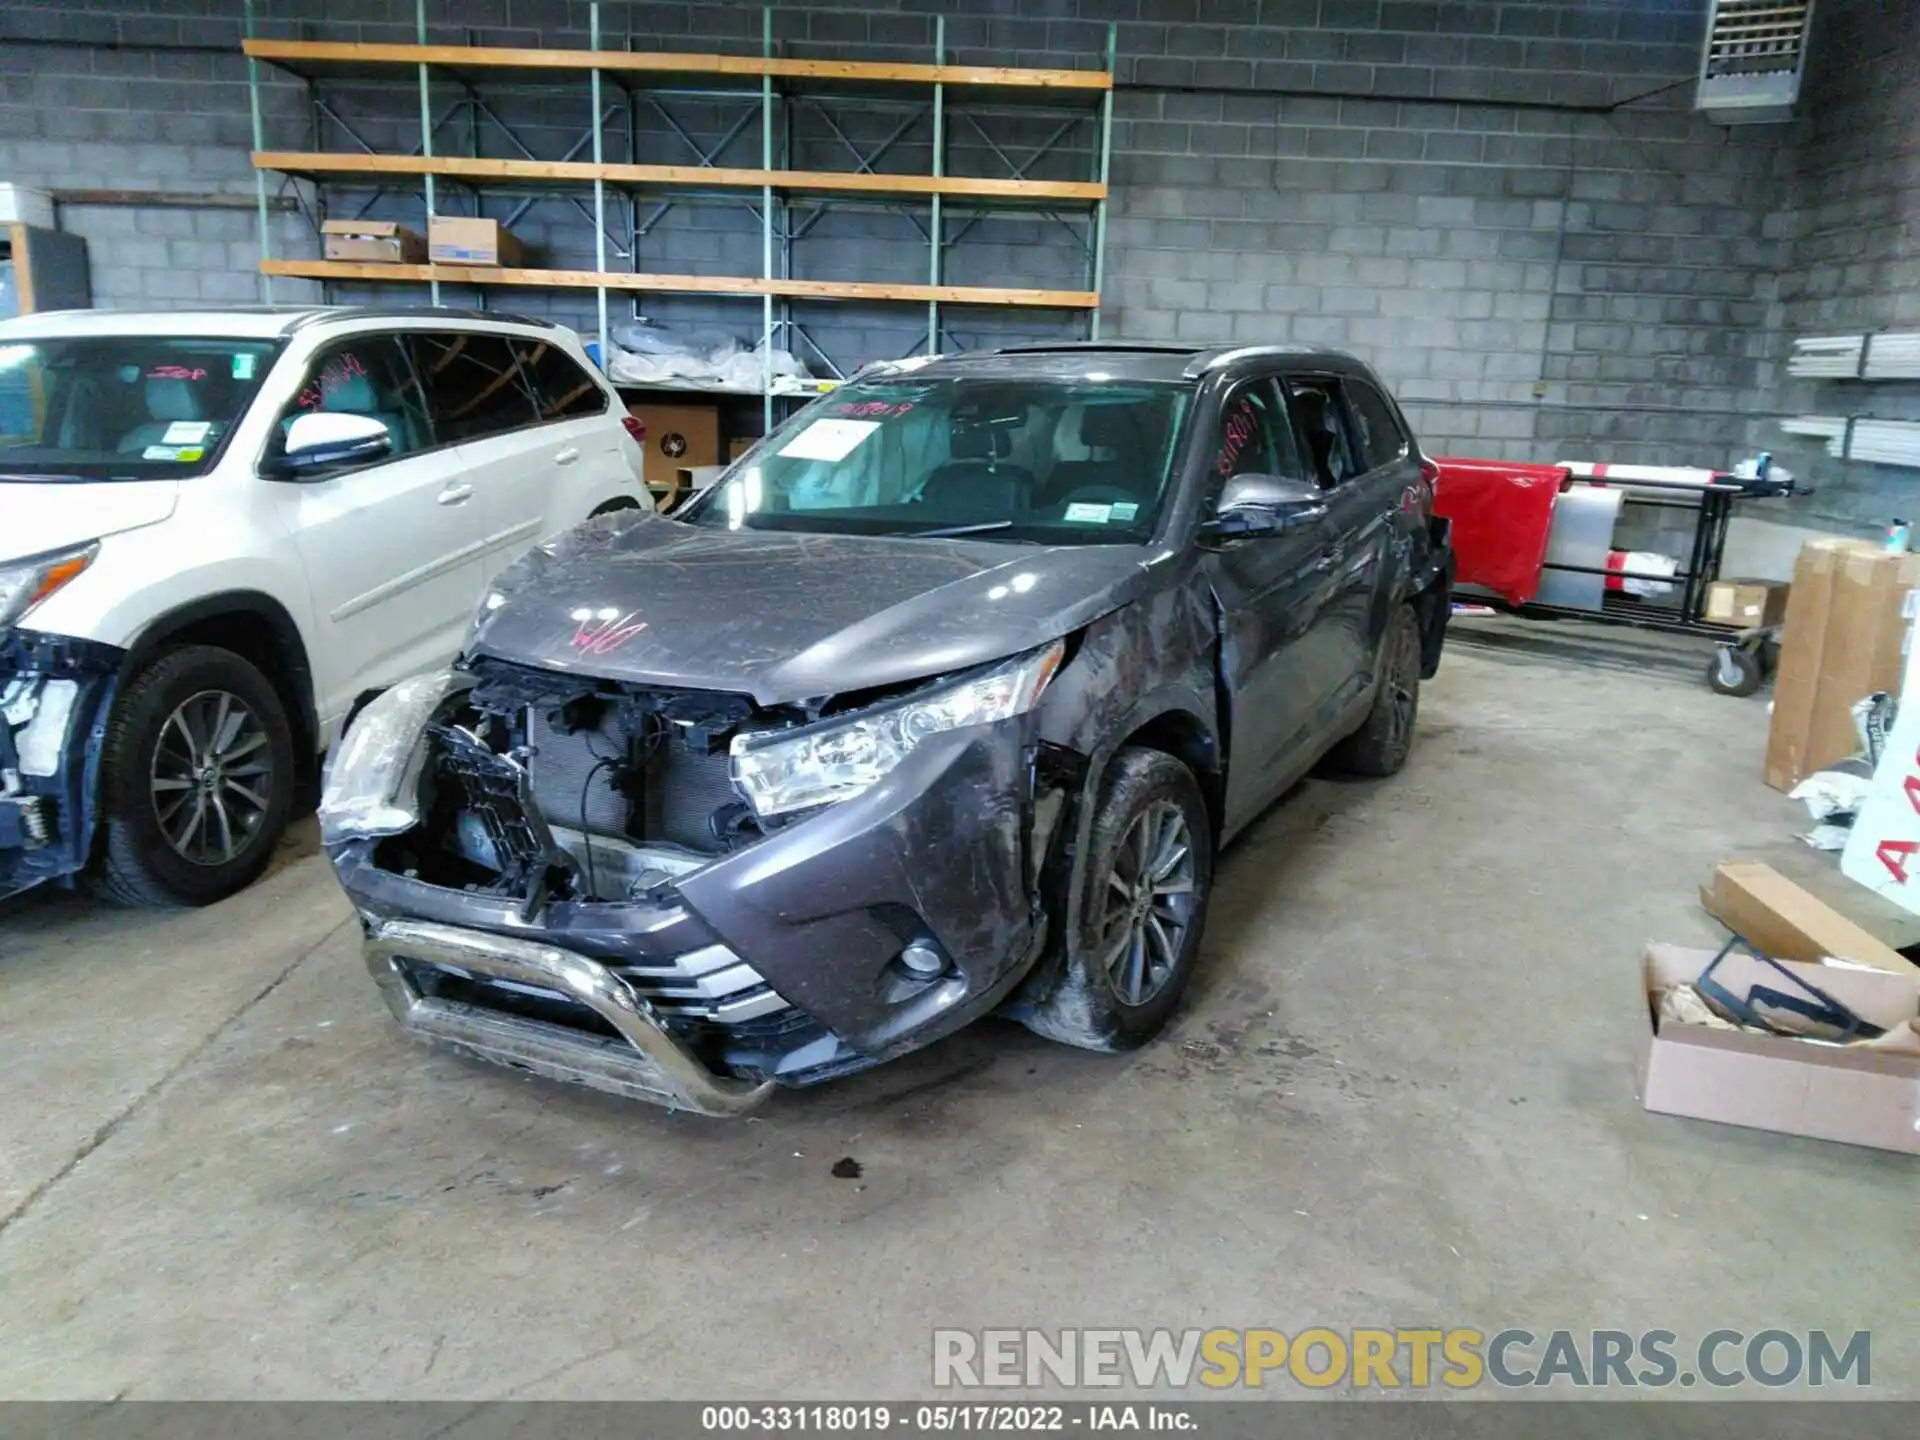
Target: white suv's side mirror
325 440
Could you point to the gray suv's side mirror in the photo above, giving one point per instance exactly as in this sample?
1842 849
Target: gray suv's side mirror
1264 505
326 440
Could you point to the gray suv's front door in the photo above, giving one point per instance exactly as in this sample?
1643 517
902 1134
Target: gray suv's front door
1280 660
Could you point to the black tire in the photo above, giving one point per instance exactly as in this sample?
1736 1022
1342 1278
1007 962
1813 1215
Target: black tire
143 861
614 507
1733 671
1379 747
1096 1005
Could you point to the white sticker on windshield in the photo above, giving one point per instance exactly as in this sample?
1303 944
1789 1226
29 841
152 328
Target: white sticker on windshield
1081 512
186 432
243 366
828 439
1124 511
160 452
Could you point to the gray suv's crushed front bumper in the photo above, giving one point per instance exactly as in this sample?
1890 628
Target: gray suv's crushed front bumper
811 920
644 1063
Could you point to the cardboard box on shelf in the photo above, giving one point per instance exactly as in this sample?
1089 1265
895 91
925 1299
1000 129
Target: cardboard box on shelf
467 240
1859 1094
1746 604
678 437
21 206
1779 918
380 241
739 446
1843 639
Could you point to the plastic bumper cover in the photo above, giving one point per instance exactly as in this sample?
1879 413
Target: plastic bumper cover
55 694
945 850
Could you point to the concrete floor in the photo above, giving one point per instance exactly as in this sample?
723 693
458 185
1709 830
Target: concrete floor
1401 1091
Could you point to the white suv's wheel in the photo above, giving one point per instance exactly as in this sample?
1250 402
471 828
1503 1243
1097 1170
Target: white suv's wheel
196 780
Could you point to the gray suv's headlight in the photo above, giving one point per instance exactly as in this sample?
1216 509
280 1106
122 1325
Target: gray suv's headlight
373 780
783 771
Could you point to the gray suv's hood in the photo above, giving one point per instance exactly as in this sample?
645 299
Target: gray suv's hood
787 617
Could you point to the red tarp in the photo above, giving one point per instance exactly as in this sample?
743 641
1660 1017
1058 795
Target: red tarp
1501 512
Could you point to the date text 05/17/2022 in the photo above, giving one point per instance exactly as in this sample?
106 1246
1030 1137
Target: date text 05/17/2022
958 1417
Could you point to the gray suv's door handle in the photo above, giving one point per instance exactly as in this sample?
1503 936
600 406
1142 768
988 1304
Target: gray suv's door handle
455 495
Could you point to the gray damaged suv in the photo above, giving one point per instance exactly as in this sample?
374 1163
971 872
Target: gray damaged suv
941 702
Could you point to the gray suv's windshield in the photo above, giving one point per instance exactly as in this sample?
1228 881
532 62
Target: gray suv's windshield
1053 461
123 407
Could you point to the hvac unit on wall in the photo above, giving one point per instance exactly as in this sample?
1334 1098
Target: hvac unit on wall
1752 60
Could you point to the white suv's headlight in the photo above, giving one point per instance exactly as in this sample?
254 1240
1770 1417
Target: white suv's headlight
783 771
373 779
25 583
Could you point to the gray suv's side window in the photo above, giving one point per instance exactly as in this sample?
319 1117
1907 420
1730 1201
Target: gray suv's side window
1322 418
1381 438
1255 436
365 375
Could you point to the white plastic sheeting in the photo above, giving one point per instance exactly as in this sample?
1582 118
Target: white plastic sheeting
643 354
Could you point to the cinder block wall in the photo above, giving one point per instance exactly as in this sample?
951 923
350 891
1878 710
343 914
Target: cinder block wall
1508 207
139 96
1850 212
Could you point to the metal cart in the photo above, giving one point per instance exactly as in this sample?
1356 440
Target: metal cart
1743 659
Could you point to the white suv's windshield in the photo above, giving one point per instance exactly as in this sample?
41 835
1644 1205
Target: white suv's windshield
1059 462
123 407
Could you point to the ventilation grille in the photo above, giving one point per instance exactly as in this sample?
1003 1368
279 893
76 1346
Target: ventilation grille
1751 65
1754 37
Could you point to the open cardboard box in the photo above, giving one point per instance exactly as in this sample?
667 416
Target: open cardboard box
1858 1094
1786 921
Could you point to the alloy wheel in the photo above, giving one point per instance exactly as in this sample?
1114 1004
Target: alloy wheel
211 779
1400 680
1148 903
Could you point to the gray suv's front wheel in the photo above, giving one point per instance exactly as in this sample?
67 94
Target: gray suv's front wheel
1148 875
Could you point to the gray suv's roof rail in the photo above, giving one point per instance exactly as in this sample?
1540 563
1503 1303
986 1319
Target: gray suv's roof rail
1154 347
1214 359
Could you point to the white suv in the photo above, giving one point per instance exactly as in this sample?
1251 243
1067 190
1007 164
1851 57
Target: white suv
221 532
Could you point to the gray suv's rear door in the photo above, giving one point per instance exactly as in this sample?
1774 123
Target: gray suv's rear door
1361 500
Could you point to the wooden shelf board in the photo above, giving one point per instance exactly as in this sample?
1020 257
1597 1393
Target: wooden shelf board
683 284
462 167
315 52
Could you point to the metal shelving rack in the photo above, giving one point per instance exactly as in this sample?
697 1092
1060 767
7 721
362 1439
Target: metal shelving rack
1086 95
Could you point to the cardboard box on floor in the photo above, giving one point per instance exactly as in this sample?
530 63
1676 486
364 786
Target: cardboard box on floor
468 240
1779 918
1746 604
1843 640
384 242
692 479
1857 1094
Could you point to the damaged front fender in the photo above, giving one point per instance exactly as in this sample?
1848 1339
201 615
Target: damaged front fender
56 694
